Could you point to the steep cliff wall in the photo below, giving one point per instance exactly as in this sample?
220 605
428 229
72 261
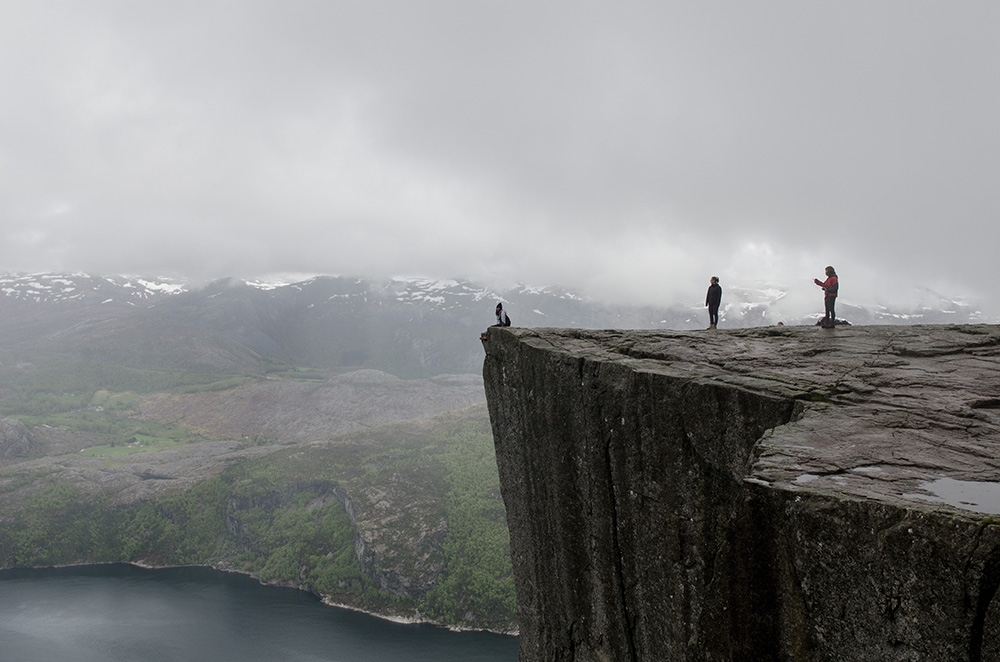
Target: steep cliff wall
771 494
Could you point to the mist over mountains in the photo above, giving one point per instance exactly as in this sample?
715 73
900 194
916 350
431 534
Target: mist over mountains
406 327
218 420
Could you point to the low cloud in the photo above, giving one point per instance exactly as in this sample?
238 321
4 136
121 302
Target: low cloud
629 151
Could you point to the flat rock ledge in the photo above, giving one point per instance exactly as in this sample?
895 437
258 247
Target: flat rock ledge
780 493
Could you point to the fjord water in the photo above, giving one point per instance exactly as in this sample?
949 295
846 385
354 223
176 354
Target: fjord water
117 612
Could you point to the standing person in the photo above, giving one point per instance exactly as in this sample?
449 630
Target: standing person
713 299
502 319
830 288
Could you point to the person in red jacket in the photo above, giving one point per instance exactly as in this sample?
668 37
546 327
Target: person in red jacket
830 287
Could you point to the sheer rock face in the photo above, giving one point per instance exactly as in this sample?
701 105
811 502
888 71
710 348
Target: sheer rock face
771 494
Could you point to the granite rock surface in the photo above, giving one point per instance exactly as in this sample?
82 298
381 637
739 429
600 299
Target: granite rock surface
781 493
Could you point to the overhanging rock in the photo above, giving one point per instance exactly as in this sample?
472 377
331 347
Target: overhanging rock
770 494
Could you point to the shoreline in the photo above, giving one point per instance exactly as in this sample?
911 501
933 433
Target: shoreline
325 600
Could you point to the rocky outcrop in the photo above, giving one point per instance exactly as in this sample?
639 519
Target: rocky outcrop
772 494
14 439
377 546
379 559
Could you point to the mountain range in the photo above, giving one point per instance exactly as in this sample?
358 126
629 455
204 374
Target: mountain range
406 327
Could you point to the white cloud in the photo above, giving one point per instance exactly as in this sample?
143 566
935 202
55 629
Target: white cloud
631 149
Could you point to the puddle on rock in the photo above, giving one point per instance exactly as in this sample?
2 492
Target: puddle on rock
981 497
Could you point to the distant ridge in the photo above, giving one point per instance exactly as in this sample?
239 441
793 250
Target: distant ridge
536 305
409 327
84 288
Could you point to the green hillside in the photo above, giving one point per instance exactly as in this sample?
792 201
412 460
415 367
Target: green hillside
329 435
402 520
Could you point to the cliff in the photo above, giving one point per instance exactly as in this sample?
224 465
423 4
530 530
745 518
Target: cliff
771 494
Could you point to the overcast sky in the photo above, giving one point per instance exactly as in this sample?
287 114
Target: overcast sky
629 150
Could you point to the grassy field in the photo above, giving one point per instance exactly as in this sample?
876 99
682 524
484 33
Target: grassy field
114 418
137 443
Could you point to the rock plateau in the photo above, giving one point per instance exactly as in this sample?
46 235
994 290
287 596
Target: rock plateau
781 493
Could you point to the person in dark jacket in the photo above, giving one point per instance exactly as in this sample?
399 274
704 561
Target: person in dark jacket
830 286
713 299
502 319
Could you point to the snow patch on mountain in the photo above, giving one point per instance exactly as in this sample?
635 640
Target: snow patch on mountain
80 287
268 282
751 304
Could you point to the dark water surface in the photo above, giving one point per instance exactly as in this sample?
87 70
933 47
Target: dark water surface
118 612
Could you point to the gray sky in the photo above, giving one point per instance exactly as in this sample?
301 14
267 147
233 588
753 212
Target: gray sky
626 149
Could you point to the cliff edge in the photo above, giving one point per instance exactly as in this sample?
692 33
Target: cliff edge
783 493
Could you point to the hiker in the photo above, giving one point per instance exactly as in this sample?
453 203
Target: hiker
712 300
830 287
502 319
